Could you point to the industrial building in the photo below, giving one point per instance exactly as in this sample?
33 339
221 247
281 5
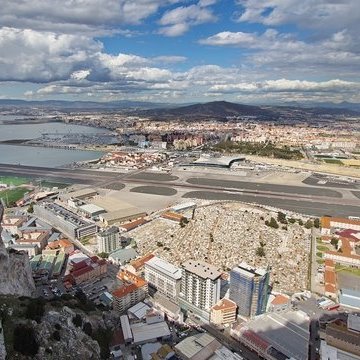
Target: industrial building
340 339
200 287
286 335
70 224
249 289
163 276
144 333
197 347
108 240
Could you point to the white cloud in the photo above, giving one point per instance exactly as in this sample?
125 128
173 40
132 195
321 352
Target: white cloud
230 38
282 85
80 16
328 15
178 21
42 56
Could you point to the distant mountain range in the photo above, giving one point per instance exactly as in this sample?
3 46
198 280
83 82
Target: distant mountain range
215 109
81 105
211 110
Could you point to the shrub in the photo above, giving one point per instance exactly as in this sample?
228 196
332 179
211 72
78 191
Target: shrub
24 340
77 320
35 309
56 335
260 251
87 328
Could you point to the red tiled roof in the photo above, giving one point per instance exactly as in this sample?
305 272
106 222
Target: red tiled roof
139 263
124 290
326 220
224 304
259 342
280 300
134 224
330 277
330 288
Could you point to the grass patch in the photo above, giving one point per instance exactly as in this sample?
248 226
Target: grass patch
320 261
319 254
51 184
11 196
333 161
322 248
13 180
353 271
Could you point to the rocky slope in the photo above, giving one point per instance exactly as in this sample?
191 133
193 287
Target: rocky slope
15 271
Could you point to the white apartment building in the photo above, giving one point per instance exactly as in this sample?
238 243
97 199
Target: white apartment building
200 287
163 276
108 240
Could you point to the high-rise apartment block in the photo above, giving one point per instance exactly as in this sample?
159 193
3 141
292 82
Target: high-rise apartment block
200 287
108 240
163 276
249 289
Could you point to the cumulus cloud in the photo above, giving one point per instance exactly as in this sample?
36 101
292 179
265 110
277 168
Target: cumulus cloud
178 21
282 85
327 15
28 55
82 16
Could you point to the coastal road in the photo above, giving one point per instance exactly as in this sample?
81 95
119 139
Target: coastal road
296 198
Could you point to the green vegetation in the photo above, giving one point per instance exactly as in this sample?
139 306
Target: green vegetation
320 261
12 195
272 223
260 251
103 337
319 254
334 242
13 180
103 255
317 223
24 340
35 309
351 270
51 184
309 224
322 248
333 161
268 149
281 217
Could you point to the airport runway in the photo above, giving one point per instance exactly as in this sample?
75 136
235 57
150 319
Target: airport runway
307 200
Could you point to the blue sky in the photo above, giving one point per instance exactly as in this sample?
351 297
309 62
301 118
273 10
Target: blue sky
249 51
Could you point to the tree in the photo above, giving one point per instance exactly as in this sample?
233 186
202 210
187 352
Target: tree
272 223
30 209
317 223
301 223
77 320
183 222
25 341
35 309
56 335
309 224
281 217
87 328
334 242
260 251
103 255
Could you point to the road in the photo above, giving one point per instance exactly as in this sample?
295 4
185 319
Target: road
281 197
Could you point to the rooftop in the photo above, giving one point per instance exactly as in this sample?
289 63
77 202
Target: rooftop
287 332
280 300
201 346
249 271
146 332
202 269
224 304
164 267
139 263
327 220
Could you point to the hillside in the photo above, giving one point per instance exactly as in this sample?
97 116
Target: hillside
212 110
